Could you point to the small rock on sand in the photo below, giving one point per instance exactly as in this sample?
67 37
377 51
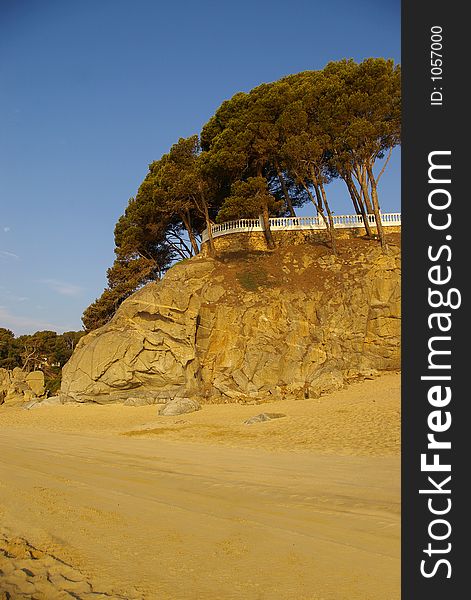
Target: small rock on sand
37 403
179 406
263 417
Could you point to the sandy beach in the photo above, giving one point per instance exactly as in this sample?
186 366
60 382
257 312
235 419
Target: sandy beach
118 502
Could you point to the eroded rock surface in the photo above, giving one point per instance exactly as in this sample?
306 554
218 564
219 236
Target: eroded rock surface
299 322
31 573
19 385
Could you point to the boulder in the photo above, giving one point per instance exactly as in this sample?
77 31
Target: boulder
31 404
179 406
20 386
35 381
5 382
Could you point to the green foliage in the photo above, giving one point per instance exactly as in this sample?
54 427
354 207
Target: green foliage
102 310
52 380
9 350
247 200
173 205
124 278
253 278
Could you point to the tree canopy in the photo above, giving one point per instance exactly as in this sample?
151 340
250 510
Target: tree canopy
263 153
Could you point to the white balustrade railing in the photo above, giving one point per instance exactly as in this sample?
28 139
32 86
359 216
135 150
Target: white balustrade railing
299 223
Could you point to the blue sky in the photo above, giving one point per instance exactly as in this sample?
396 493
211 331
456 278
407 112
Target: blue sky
91 92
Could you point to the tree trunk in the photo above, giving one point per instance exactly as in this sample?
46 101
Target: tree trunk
187 223
316 201
179 251
356 197
320 210
180 246
266 218
364 190
212 247
319 206
266 227
355 203
361 177
331 220
204 210
322 202
284 187
374 196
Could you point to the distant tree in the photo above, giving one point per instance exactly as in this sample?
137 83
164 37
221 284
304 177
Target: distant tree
9 349
176 201
37 350
272 106
71 339
65 346
44 350
243 140
148 238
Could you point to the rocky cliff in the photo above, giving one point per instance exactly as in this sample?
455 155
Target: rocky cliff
295 322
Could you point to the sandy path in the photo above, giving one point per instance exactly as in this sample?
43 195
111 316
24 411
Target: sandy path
175 520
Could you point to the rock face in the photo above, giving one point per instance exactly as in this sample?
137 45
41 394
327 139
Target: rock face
19 385
297 323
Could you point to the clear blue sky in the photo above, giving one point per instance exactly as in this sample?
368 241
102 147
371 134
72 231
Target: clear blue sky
93 91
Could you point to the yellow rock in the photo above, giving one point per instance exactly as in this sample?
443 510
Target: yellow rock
246 328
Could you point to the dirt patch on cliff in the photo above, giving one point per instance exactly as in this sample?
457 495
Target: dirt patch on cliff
300 267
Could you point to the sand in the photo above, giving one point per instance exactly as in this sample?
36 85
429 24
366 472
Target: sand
117 502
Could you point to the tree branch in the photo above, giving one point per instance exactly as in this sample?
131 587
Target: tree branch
384 166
